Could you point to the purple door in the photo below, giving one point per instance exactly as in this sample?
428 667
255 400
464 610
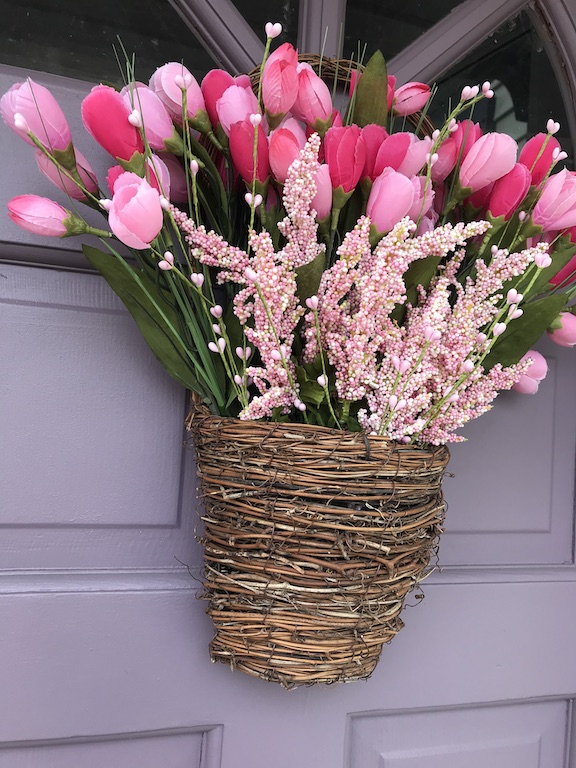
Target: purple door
103 640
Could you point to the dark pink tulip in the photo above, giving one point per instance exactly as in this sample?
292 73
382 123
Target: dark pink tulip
235 104
509 191
466 135
57 177
167 82
391 91
373 136
135 215
280 80
322 201
242 151
313 102
105 116
38 215
213 86
529 152
565 336
480 198
284 149
410 98
156 121
490 158
345 155
529 381
447 157
391 198
40 112
556 208
178 189
403 152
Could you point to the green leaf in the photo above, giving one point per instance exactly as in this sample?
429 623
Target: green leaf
523 333
312 393
308 278
371 95
418 273
157 322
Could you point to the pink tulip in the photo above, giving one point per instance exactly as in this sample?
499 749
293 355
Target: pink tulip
529 381
391 92
38 215
390 200
40 112
480 198
490 158
242 151
466 135
105 116
373 136
403 152
422 203
345 154
292 125
167 82
313 102
235 104
509 191
530 151
322 200
156 121
284 149
447 158
410 98
556 208
57 176
135 215
213 86
565 335
280 80
158 176
178 188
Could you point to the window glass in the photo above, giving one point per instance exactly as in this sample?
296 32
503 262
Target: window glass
524 83
258 12
75 38
390 25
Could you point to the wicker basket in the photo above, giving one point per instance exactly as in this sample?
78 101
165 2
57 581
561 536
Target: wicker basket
313 538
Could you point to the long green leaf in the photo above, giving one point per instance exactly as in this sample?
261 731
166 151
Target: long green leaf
371 96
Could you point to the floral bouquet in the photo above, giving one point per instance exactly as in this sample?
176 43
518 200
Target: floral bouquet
342 290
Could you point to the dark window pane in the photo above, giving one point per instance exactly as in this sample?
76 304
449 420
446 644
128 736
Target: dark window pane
75 37
524 82
258 12
390 25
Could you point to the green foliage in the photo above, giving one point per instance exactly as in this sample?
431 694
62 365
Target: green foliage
370 103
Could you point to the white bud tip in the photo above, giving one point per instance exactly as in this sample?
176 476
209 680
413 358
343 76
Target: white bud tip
552 126
255 119
273 30
522 216
250 275
135 118
20 122
180 82
164 203
435 134
106 204
486 86
194 167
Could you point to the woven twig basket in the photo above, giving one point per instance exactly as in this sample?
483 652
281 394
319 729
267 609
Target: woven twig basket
313 538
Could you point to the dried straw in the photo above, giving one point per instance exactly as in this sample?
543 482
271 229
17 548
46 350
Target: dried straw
313 538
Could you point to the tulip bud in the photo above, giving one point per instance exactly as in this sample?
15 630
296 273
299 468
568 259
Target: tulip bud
38 113
39 215
135 216
529 381
490 158
565 333
410 98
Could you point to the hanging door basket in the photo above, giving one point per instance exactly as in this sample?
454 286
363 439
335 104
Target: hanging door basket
313 538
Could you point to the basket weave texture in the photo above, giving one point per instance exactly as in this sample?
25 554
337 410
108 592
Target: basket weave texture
313 538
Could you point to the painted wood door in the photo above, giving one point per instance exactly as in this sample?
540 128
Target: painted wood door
103 640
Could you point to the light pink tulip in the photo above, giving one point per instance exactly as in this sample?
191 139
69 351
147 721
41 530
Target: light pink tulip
402 152
105 116
422 203
235 105
57 177
530 151
390 200
292 125
528 383
40 111
490 158
156 121
158 176
284 149
280 80
38 215
509 191
556 208
135 215
165 82
565 336
322 200
345 155
215 82
242 151
374 136
313 102
410 98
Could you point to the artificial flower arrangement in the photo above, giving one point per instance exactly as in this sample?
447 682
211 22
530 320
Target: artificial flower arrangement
297 263
341 292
